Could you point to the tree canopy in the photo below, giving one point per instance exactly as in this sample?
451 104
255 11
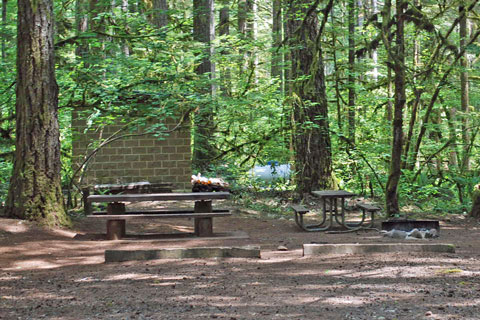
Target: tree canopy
378 97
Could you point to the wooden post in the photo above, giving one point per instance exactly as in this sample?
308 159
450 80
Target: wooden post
87 206
203 226
115 229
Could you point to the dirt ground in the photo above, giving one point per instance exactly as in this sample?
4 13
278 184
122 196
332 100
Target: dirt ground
61 274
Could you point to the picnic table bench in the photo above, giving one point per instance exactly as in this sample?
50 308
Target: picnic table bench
116 213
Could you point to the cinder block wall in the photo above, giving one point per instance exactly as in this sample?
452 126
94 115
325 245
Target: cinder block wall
132 159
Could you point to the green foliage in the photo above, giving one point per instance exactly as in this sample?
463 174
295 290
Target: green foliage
129 72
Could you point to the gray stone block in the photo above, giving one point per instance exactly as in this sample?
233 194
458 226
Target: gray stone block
319 249
182 253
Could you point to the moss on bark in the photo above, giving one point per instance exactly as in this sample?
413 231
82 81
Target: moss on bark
35 189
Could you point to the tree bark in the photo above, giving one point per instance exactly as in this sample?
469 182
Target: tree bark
313 157
464 89
386 17
374 52
4 25
203 31
160 16
224 30
253 31
81 22
391 194
224 19
287 71
35 191
417 102
351 70
277 59
242 17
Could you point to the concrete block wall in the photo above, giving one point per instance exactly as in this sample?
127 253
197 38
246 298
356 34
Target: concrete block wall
132 159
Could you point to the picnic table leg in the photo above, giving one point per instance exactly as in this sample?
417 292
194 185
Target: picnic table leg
203 226
326 221
116 228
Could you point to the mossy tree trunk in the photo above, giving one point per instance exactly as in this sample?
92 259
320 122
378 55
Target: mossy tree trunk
391 192
313 155
35 189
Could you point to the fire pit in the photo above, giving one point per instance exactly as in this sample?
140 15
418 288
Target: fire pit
409 224
411 229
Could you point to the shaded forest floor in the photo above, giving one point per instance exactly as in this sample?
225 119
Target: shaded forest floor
61 274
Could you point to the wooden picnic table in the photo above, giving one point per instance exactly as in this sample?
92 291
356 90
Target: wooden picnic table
116 214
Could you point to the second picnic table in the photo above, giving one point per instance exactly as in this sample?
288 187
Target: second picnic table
332 197
116 213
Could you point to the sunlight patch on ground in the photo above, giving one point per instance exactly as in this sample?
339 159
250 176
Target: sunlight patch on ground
32 264
10 278
306 300
18 227
130 276
465 304
42 264
345 300
64 233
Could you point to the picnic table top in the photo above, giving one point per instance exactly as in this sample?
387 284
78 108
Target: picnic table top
196 196
333 194
130 185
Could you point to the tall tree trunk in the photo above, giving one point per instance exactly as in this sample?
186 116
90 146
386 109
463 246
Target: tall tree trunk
386 17
287 71
203 19
125 12
224 30
391 194
160 15
409 165
338 94
35 188
224 19
277 59
253 30
417 102
311 134
351 70
465 100
81 22
247 32
4 25
374 52
242 17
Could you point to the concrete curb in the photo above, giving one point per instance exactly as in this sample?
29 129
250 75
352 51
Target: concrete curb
182 253
352 248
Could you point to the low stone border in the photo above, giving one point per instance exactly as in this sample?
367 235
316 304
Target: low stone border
319 249
182 253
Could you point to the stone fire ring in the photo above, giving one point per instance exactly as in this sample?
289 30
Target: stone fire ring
352 248
182 253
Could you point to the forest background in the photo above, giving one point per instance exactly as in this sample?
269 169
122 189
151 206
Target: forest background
377 97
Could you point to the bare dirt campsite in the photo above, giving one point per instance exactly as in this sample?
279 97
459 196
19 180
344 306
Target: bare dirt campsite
62 274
